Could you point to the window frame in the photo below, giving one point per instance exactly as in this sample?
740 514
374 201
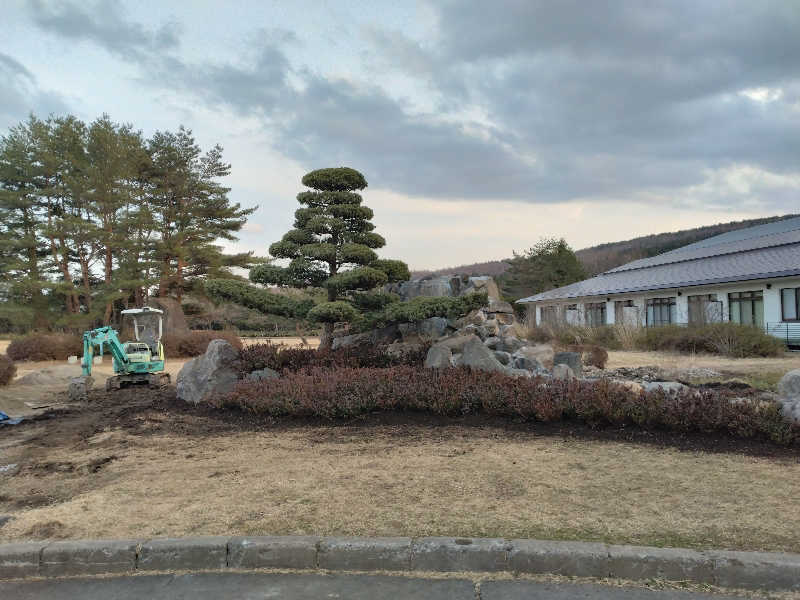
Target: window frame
671 302
589 309
751 297
796 306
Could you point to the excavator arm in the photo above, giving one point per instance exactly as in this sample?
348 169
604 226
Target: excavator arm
98 337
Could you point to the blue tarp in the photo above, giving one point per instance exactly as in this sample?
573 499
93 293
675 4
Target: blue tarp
6 420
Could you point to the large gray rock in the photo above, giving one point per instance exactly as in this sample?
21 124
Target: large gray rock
563 371
400 349
503 357
510 343
477 356
542 353
433 328
571 359
789 385
427 286
261 374
521 361
344 341
492 342
214 373
671 387
79 388
439 357
456 344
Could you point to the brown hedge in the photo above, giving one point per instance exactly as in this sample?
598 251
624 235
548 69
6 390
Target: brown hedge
344 393
7 370
45 346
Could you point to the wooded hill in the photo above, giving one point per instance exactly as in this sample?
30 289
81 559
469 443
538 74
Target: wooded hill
603 257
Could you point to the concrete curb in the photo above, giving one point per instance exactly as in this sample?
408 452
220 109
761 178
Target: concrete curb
749 570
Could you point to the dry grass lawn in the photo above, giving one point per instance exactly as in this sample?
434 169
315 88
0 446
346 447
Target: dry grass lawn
457 480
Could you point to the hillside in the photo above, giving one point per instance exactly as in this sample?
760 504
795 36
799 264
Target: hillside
603 257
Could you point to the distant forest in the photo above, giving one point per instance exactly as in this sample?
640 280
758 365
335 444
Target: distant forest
603 257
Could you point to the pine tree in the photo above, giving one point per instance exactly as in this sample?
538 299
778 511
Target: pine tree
23 249
191 207
332 245
549 264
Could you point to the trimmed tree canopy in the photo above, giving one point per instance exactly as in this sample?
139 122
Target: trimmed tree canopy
332 245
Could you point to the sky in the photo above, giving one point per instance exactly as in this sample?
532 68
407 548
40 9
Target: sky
481 127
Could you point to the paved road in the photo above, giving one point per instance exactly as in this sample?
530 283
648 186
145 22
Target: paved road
260 586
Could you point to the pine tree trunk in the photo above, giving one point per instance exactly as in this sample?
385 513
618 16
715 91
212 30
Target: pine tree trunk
326 340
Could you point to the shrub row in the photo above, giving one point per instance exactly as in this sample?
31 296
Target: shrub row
194 343
240 292
7 369
45 346
348 392
728 339
280 358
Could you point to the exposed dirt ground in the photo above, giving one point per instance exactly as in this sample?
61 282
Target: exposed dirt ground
139 463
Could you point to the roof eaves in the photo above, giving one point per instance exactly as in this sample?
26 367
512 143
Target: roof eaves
680 284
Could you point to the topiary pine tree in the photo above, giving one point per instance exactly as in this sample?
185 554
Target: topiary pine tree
332 245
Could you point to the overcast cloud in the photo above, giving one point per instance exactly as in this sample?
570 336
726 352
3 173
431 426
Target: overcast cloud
695 105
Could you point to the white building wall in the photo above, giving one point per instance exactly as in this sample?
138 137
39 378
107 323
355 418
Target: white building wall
770 288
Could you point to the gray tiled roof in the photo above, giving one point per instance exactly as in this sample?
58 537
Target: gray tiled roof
765 252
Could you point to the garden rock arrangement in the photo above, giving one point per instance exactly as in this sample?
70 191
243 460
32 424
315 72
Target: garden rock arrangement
789 395
211 374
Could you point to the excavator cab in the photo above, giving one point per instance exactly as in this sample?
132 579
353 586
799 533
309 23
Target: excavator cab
147 329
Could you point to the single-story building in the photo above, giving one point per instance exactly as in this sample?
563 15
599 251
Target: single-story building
750 276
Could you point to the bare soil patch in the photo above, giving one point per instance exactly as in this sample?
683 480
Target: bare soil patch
139 463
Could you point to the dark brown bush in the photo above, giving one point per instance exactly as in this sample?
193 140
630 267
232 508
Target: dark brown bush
45 346
343 393
7 369
187 344
280 358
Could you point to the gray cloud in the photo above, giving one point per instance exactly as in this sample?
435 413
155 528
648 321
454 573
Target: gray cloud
582 99
105 24
20 93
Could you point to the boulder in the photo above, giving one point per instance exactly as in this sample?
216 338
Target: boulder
790 409
789 385
500 306
563 371
479 331
637 388
571 359
211 374
490 328
519 372
427 286
542 353
79 388
457 343
510 343
432 328
439 357
481 283
492 342
400 349
475 317
261 374
344 341
520 361
477 356
503 357
671 387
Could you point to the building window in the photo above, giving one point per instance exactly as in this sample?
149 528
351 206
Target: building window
790 304
619 309
661 311
572 315
595 314
704 308
747 308
549 314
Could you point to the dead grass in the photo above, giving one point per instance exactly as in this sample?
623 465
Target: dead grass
674 361
409 480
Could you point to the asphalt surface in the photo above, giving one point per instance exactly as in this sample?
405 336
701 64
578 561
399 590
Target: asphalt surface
260 586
